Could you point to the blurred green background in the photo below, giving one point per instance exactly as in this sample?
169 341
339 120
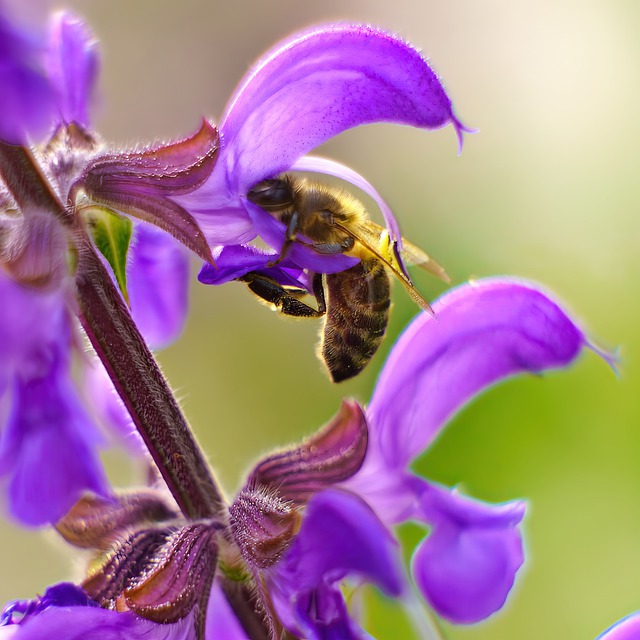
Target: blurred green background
547 191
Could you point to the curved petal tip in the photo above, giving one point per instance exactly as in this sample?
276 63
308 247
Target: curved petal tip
461 129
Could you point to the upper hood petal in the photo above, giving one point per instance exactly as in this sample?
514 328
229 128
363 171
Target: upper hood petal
318 84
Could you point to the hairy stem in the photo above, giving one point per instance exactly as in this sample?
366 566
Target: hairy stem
28 185
240 600
145 392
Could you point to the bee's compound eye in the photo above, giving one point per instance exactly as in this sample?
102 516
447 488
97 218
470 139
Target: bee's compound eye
272 194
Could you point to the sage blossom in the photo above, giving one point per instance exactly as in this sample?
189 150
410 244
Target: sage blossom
316 515
174 560
304 92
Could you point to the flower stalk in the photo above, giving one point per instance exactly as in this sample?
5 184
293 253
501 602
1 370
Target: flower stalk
28 185
144 390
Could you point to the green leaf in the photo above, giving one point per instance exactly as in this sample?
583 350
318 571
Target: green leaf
111 234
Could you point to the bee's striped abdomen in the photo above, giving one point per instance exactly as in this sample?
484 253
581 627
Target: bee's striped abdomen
357 315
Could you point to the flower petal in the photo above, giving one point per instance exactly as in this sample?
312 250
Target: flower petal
65 613
235 261
48 450
29 102
332 78
72 62
340 536
95 623
626 629
483 332
158 285
221 621
109 409
47 441
332 168
467 565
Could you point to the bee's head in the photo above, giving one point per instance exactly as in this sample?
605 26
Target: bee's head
272 195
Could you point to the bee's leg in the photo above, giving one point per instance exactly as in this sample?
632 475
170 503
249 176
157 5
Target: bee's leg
333 247
284 301
318 291
289 238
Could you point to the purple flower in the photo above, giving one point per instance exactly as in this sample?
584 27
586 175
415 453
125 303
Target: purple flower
29 99
48 439
626 629
311 517
484 332
299 95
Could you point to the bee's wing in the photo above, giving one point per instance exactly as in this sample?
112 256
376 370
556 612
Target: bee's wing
376 240
416 256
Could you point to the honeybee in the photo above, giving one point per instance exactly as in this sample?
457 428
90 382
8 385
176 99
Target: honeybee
355 302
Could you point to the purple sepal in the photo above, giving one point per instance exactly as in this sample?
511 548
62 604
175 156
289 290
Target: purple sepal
235 261
158 285
29 101
340 536
331 455
626 629
483 332
467 565
72 63
144 184
332 77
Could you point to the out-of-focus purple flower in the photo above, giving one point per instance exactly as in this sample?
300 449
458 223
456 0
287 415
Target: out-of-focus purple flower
299 95
47 440
29 99
157 282
44 84
72 65
626 629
